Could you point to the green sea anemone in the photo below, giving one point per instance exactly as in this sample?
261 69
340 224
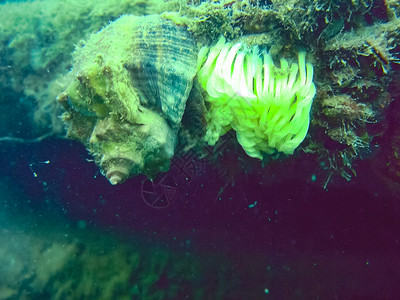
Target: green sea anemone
267 106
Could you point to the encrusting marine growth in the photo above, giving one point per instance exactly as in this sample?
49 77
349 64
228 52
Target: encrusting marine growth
267 106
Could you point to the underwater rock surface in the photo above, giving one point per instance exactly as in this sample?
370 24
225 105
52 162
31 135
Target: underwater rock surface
353 45
128 92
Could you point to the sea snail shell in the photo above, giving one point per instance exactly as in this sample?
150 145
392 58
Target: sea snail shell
128 91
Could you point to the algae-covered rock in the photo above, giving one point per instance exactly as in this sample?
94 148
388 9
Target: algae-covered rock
353 45
128 93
